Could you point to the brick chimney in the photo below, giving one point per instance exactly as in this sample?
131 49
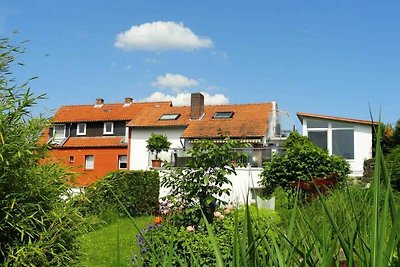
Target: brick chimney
99 102
128 101
196 106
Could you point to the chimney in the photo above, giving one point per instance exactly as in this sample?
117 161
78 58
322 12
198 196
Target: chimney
196 106
99 102
128 101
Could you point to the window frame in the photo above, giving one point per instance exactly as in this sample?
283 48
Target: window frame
87 166
119 162
330 129
64 130
169 117
71 159
217 115
105 128
84 129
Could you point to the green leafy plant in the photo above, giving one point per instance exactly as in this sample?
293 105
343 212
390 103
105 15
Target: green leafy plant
157 143
138 192
37 227
203 181
302 161
393 160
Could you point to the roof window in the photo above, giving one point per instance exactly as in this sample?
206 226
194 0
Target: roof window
223 115
169 117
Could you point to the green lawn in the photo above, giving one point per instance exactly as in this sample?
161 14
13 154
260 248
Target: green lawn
100 246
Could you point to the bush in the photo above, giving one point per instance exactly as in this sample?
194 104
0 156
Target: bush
138 192
302 161
194 244
393 160
37 227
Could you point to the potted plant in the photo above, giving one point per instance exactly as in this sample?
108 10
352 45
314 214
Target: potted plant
155 144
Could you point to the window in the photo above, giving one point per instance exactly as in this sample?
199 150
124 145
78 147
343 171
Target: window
223 115
71 159
81 129
89 162
168 117
319 138
122 162
343 143
336 137
108 128
59 131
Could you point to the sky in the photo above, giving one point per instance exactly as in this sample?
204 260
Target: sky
338 58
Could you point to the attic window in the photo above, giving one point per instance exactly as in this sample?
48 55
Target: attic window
223 115
169 117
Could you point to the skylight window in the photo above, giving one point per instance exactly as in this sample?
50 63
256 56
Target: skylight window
169 117
223 115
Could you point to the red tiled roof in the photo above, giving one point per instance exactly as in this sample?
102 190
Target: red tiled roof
107 112
94 142
300 115
249 120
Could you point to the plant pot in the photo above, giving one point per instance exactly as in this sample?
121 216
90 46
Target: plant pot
156 163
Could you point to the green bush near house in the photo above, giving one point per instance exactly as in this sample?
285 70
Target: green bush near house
138 192
302 161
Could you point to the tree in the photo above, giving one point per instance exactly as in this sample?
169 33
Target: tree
396 134
157 143
203 181
302 161
37 228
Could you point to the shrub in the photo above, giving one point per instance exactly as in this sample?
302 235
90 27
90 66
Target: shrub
193 244
138 192
37 227
302 161
201 182
393 160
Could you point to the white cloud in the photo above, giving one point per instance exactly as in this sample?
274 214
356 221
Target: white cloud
176 82
161 36
183 99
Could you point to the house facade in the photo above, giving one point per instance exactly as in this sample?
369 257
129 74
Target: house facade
92 140
255 124
349 138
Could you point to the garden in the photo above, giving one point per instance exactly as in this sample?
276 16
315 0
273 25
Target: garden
119 220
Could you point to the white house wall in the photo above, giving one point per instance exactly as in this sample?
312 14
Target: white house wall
139 157
362 148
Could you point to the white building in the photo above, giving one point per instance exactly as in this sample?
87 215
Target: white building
257 124
349 138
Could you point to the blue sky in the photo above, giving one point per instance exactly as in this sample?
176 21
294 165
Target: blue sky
326 57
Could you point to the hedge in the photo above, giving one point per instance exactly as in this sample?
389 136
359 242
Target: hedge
138 191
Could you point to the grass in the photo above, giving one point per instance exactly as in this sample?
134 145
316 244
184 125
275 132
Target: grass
113 244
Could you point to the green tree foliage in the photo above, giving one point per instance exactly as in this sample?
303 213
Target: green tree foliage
396 134
302 161
393 162
157 143
203 181
37 228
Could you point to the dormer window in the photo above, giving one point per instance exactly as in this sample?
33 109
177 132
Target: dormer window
169 117
223 115
81 129
108 128
59 131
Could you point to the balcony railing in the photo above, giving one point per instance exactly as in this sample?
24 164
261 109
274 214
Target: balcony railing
254 157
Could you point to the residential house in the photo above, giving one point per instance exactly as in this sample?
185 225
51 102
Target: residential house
92 139
256 124
349 138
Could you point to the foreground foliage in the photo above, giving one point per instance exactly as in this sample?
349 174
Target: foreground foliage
37 228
